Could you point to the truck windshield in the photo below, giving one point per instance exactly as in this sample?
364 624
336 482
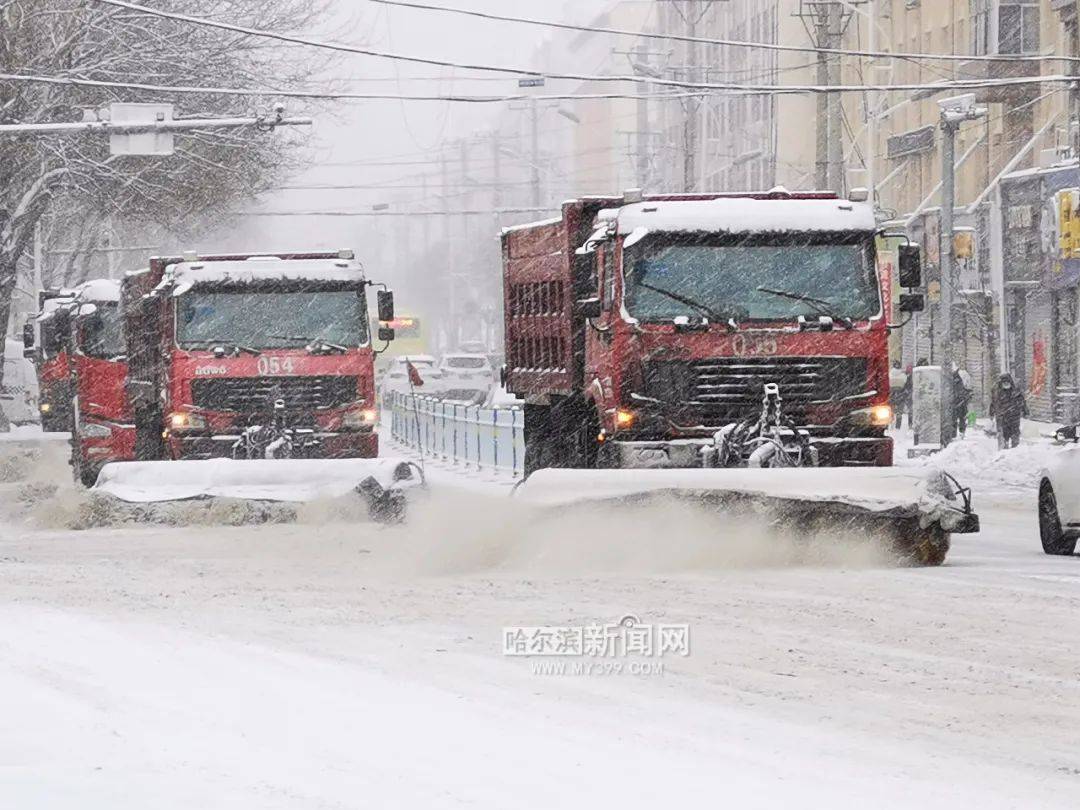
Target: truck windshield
764 279
103 335
271 320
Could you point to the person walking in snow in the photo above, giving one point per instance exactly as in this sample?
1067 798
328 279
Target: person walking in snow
961 383
1007 407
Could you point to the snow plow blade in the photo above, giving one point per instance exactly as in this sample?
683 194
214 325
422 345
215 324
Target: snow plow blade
382 482
916 512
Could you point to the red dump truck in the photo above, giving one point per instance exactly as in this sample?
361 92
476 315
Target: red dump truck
45 343
244 356
103 430
691 330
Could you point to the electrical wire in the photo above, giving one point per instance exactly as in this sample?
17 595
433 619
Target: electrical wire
732 43
703 90
959 84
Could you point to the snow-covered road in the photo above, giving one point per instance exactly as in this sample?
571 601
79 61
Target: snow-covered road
324 664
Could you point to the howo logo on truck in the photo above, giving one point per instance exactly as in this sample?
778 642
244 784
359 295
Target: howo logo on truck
210 371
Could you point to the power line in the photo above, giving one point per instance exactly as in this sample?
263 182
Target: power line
449 212
771 46
515 71
702 89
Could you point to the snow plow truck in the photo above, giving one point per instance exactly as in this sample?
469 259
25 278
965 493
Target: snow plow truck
102 429
252 377
46 345
693 345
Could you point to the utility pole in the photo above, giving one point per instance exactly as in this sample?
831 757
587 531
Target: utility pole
953 112
534 114
837 179
946 248
642 138
39 259
821 173
690 130
496 171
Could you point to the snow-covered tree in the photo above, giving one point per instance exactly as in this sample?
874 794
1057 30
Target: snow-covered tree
75 177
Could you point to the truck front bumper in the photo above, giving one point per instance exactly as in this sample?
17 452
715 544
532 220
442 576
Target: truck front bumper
358 444
686 453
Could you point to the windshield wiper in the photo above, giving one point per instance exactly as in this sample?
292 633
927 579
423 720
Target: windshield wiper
682 299
226 344
313 343
820 305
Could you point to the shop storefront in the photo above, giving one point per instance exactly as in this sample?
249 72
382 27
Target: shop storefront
1042 269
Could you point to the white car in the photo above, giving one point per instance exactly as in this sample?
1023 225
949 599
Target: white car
396 378
466 376
1059 498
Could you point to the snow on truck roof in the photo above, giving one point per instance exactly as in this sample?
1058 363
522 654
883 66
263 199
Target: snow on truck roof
98 289
747 215
185 275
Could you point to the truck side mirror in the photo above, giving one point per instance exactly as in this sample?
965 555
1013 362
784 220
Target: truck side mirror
62 327
386 334
912 302
590 308
910 267
28 340
385 300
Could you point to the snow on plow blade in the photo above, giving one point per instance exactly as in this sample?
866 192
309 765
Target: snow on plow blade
383 482
916 511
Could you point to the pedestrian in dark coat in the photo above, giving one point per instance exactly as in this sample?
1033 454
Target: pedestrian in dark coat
1008 406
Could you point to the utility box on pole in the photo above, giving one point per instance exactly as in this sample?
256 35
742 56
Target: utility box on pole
140 143
927 385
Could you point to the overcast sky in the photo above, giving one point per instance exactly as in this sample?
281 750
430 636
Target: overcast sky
357 132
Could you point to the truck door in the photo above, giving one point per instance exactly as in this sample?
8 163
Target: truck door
600 331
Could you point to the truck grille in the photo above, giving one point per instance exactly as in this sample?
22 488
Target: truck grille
722 390
255 394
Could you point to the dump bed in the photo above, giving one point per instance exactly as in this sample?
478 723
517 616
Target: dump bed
541 282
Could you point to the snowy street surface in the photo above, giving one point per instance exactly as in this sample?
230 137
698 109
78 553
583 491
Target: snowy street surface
328 664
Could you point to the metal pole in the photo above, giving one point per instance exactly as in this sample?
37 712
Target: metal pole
946 248
836 133
690 130
643 140
534 109
821 36
871 104
39 258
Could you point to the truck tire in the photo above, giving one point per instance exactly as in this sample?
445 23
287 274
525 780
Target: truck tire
931 547
1055 541
537 438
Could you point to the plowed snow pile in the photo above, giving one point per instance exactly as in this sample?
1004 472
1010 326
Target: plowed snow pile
471 533
977 461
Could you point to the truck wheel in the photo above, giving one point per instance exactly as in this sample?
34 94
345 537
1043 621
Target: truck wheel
586 449
1054 540
537 438
929 548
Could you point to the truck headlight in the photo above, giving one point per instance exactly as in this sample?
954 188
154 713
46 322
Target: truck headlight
876 416
360 418
92 430
624 419
182 420
45 407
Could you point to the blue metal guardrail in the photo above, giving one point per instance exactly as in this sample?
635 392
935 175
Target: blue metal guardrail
490 439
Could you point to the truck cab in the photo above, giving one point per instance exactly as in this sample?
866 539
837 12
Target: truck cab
639 329
45 342
235 342
103 429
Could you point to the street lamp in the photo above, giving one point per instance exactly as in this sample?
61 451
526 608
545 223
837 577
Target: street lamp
954 111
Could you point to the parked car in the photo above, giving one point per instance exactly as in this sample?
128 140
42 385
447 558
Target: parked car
19 395
466 377
396 378
1059 497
